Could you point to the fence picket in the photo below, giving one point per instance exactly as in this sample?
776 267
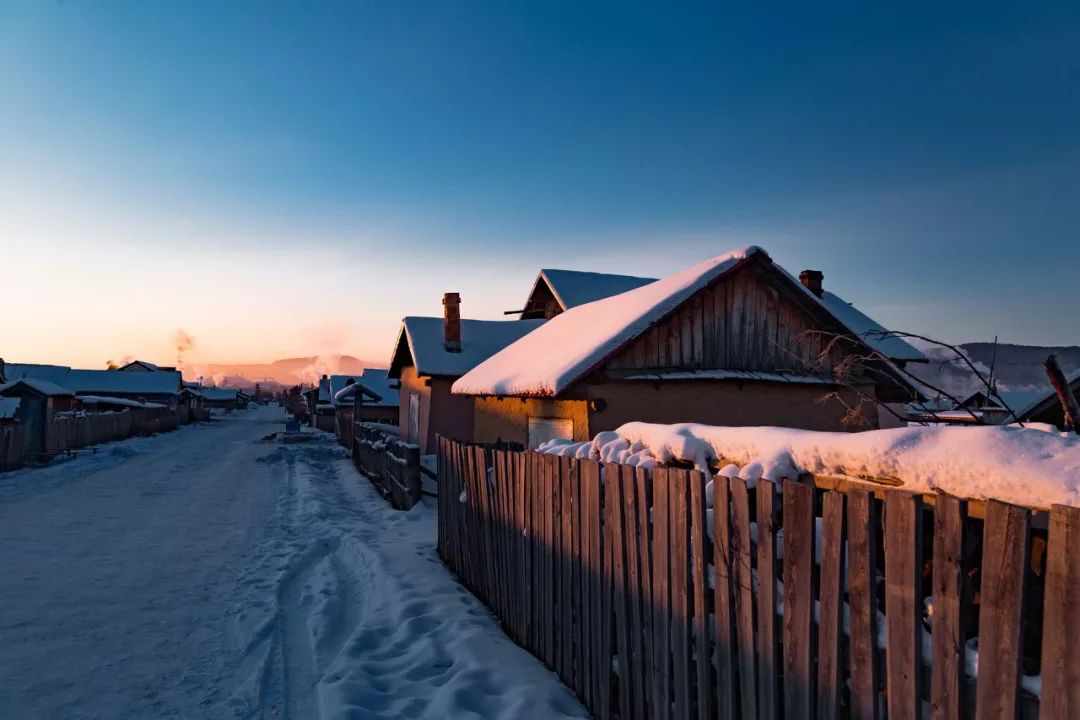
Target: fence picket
743 587
1061 647
681 627
862 601
946 639
722 603
798 564
661 596
768 674
1005 562
903 546
829 617
699 576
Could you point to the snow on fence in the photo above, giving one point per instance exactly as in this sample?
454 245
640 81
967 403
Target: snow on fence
639 587
12 447
392 466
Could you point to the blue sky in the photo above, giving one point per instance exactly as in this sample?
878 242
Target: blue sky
330 167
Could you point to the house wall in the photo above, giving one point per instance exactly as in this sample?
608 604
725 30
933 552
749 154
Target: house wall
440 412
507 419
380 414
725 403
411 383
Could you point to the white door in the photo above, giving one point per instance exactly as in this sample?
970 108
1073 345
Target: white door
543 429
414 418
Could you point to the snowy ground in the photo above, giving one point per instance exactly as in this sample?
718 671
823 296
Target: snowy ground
204 573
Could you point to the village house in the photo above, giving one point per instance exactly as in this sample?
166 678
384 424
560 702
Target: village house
38 403
556 291
382 408
429 355
735 340
1037 405
227 399
143 366
159 386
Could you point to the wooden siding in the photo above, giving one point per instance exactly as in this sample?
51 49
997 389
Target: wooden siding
747 321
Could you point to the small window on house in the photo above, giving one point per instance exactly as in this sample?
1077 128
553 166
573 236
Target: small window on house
543 429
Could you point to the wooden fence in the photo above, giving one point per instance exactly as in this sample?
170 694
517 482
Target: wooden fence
343 426
72 432
392 465
778 601
12 447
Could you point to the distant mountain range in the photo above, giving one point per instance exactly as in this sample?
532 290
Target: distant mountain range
1015 367
290 371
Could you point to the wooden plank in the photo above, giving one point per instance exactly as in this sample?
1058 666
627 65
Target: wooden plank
661 597
530 481
1061 647
862 601
699 580
615 557
590 475
555 551
829 593
577 608
681 627
767 670
642 486
722 603
903 602
743 586
550 468
567 554
1006 536
606 652
635 675
798 566
947 642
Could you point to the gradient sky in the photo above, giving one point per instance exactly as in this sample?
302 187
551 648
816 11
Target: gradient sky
287 178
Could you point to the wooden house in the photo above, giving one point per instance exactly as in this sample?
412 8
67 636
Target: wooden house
379 402
736 340
556 291
143 366
429 355
227 399
39 401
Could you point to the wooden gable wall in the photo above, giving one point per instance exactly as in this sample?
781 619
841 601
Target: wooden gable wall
750 320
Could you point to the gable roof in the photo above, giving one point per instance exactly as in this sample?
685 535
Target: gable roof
52 373
576 287
138 365
572 344
420 341
41 387
111 382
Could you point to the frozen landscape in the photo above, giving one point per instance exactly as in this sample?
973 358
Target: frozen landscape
210 573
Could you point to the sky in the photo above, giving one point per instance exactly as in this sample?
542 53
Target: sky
292 178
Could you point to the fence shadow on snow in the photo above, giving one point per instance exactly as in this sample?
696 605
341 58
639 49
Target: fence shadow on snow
648 603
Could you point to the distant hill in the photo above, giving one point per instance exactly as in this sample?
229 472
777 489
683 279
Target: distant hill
1016 367
290 371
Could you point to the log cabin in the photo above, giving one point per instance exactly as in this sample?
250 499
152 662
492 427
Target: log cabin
735 340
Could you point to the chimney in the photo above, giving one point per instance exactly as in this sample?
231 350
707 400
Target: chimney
452 322
811 280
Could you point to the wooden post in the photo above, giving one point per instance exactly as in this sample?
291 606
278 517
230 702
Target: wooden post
1061 386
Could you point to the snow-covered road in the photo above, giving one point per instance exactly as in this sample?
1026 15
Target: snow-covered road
206 573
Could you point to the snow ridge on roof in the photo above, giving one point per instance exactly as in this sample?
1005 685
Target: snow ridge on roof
480 339
867 330
552 357
578 287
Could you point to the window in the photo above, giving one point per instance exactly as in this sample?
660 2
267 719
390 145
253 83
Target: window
544 429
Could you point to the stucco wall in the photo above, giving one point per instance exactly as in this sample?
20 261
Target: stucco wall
451 415
410 384
723 403
507 419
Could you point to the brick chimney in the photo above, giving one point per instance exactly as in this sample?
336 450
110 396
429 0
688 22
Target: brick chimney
452 322
811 280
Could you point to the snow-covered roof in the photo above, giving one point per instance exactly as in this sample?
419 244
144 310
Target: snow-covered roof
575 287
755 375
52 373
106 382
338 382
867 330
375 381
220 394
140 365
480 339
8 407
121 402
570 345
42 387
